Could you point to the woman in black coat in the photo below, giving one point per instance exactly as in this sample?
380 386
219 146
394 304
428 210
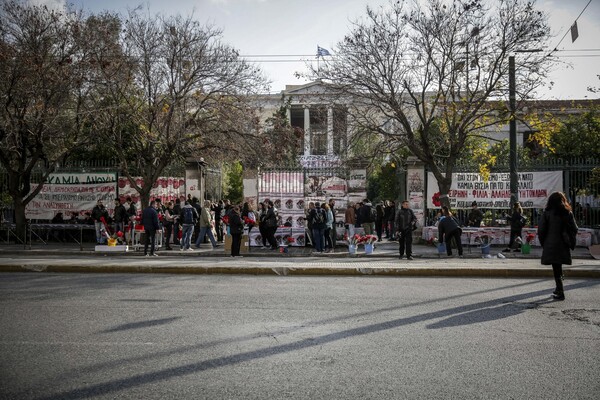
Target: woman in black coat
557 233
236 227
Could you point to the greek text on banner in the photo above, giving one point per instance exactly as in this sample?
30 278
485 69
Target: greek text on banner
534 189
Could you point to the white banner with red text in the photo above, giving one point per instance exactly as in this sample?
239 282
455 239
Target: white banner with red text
534 189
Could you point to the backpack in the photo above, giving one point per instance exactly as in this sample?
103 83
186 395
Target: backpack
319 217
188 215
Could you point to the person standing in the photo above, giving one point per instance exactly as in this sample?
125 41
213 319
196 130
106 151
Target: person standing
319 222
447 229
170 221
218 210
176 225
379 214
206 225
557 232
151 225
405 222
350 219
236 227
99 213
366 217
119 217
328 227
333 232
188 218
271 225
517 222
262 223
475 216
392 219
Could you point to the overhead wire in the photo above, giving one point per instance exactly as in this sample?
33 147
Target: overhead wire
569 29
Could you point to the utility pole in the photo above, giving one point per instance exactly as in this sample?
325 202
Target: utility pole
514 177
512 98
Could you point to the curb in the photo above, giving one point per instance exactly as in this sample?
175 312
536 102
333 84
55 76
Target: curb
291 271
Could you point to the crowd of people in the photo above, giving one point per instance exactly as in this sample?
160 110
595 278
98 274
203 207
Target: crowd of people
185 221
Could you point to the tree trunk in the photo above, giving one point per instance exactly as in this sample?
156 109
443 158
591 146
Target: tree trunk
20 219
444 185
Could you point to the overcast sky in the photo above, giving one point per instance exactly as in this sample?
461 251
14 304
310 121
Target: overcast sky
267 28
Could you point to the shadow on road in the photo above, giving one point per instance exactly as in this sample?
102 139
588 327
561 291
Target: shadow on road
466 314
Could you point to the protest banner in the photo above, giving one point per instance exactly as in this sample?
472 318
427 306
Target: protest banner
534 189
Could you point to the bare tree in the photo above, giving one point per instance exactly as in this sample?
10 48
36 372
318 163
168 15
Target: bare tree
42 91
423 72
179 92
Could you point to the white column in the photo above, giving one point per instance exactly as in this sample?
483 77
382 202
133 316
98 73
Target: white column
329 130
306 131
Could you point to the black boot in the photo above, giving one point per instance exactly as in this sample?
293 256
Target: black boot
559 293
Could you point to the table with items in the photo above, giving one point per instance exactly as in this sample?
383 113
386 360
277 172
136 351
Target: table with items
501 235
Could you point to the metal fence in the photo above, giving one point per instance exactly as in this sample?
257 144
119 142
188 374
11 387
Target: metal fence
581 183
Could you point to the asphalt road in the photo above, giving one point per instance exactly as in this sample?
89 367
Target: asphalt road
148 336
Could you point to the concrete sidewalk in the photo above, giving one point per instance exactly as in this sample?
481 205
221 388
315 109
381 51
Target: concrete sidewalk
298 261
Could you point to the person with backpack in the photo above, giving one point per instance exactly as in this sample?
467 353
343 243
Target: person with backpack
319 222
188 217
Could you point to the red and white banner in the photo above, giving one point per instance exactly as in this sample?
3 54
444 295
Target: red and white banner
72 193
534 189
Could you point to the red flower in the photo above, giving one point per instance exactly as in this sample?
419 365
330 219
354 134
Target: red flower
225 220
529 238
436 199
290 239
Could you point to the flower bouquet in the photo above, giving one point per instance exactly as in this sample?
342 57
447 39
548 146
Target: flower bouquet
353 240
249 221
368 239
225 220
530 238
526 247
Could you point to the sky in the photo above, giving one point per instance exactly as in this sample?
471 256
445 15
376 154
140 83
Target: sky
269 31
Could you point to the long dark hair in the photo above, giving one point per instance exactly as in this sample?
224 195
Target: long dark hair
558 203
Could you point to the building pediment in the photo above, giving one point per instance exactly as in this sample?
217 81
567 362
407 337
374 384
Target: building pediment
314 88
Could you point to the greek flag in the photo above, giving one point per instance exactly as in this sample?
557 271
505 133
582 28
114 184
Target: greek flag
321 52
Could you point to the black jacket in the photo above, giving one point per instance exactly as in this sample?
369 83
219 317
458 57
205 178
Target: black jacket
447 226
553 232
236 225
120 214
150 219
405 219
313 214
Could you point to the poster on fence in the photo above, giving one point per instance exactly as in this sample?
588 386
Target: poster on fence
72 193
165 188
534 189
